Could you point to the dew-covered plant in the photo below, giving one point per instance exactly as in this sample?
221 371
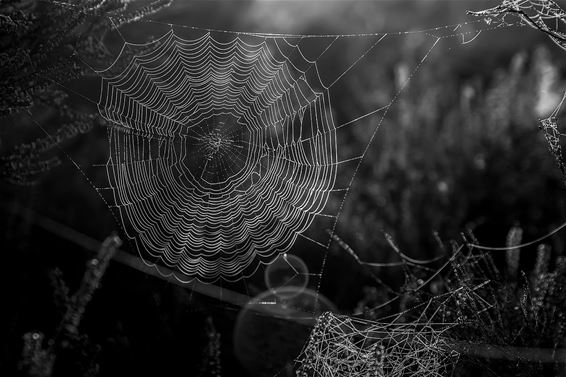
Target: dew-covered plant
43 45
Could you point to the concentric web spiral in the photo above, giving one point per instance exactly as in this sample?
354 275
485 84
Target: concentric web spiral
221 152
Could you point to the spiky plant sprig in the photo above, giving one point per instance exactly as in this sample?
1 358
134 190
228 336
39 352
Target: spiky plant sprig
42 46
40 354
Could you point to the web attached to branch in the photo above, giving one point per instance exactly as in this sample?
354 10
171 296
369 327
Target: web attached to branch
224 147
544 15
548 17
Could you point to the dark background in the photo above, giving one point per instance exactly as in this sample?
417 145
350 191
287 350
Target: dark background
460 149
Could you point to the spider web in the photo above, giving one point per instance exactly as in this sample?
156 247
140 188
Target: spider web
220 146
224 147
347 346
544 15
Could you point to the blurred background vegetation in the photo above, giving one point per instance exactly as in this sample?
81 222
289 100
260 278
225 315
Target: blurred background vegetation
460 150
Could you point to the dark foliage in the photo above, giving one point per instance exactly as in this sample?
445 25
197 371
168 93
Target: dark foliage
44 45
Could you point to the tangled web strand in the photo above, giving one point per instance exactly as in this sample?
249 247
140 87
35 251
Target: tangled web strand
346 346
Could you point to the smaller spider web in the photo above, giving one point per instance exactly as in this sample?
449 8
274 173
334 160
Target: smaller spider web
423 338
341 345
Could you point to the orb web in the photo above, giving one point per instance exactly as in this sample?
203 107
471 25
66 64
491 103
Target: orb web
221 151
223 146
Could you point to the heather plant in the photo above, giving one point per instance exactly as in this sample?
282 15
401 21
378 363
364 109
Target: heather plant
479 317
520 328
44 46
